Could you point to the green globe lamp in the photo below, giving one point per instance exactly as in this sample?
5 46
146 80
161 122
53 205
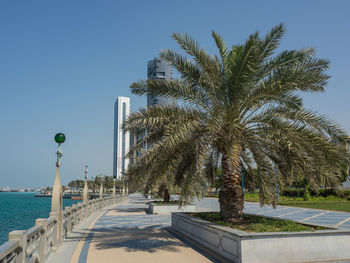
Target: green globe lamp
59 138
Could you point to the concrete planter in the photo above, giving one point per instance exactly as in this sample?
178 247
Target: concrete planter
168 208
239 246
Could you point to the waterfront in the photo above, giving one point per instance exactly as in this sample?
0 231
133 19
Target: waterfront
18 211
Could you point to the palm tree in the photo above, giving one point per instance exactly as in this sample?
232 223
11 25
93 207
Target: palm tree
242 109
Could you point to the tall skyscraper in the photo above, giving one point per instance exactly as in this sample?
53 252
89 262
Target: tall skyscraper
158 69
121 139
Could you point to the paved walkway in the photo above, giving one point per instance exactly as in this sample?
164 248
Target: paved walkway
127 234
306 215
313 216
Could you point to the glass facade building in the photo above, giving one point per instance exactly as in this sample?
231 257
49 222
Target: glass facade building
158 69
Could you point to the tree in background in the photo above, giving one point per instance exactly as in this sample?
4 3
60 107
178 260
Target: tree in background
95 182
76 184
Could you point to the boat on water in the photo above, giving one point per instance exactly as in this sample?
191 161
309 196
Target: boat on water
71 195
43 194
68 194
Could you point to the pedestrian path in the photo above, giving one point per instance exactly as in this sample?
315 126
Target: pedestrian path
326 218
127 233
305 215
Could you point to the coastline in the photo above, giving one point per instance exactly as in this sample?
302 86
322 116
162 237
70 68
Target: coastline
19 210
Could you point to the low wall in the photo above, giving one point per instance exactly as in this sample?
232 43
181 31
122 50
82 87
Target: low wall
36 244
168 208
274 247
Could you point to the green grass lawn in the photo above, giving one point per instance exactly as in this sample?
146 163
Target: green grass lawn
253 223
340 205
326 203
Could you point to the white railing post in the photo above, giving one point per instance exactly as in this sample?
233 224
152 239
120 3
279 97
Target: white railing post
82 212
79 208
56 235
64 225
74 215
69 219
42 245
90 207
21 236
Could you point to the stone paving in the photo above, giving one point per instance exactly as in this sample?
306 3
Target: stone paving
127 233
307 215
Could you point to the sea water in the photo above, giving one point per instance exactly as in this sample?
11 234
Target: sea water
18 211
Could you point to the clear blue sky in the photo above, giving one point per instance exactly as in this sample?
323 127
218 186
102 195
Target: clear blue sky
63 64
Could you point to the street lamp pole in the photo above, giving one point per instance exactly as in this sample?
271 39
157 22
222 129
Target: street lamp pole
56 201
101 188
114 194
85 192
123 178
127 185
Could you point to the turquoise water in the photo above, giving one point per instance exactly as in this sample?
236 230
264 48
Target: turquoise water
18 211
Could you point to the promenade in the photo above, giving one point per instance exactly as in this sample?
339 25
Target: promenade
126 233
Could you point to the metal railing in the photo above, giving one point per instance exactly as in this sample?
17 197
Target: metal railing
38 243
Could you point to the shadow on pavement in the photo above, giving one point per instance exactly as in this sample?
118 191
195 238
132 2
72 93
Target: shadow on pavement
138 202
129 210
148 239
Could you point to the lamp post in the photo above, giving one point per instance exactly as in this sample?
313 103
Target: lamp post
114 194
101 187
56 202
123 179
127 185
85 192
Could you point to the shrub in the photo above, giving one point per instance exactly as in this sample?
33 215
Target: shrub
293 192
315 193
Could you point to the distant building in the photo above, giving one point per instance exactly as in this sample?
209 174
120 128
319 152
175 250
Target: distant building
121 139
135 137
158 69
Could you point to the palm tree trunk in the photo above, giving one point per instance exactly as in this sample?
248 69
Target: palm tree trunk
231 195
166 195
